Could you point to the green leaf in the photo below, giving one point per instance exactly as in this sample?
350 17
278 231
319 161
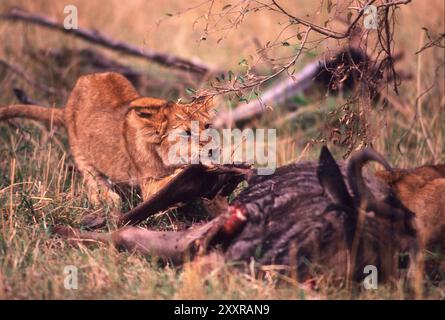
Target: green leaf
301 100
190 91
240 79
285 44
231 74
243 63
311 54
258 251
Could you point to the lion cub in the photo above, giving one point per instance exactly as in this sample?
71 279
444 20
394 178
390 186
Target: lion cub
117 135
422 191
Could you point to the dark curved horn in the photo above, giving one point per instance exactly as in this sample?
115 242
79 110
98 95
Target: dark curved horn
354 171
358 185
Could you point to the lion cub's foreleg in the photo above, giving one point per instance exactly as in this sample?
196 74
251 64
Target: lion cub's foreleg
99 189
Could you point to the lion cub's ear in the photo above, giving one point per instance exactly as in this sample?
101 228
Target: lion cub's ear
148 102
150 108
389 177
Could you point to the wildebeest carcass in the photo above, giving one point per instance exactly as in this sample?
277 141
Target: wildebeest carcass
305 215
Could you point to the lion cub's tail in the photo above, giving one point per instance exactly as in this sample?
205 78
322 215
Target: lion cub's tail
29 111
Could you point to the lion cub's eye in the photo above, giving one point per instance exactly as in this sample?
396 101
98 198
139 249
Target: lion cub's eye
207 125
144 115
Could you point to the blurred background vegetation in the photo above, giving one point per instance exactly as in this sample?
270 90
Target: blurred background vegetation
39 186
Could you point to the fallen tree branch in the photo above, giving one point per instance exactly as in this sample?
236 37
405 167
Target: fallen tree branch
95 37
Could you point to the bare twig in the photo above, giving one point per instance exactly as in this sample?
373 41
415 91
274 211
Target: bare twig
437 42
276 94
336 34
325 31
301 80
95 37
258 81
319 71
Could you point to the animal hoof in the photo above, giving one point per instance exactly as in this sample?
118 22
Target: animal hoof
93 221
62 231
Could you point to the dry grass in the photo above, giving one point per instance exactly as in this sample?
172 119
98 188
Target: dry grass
38 186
